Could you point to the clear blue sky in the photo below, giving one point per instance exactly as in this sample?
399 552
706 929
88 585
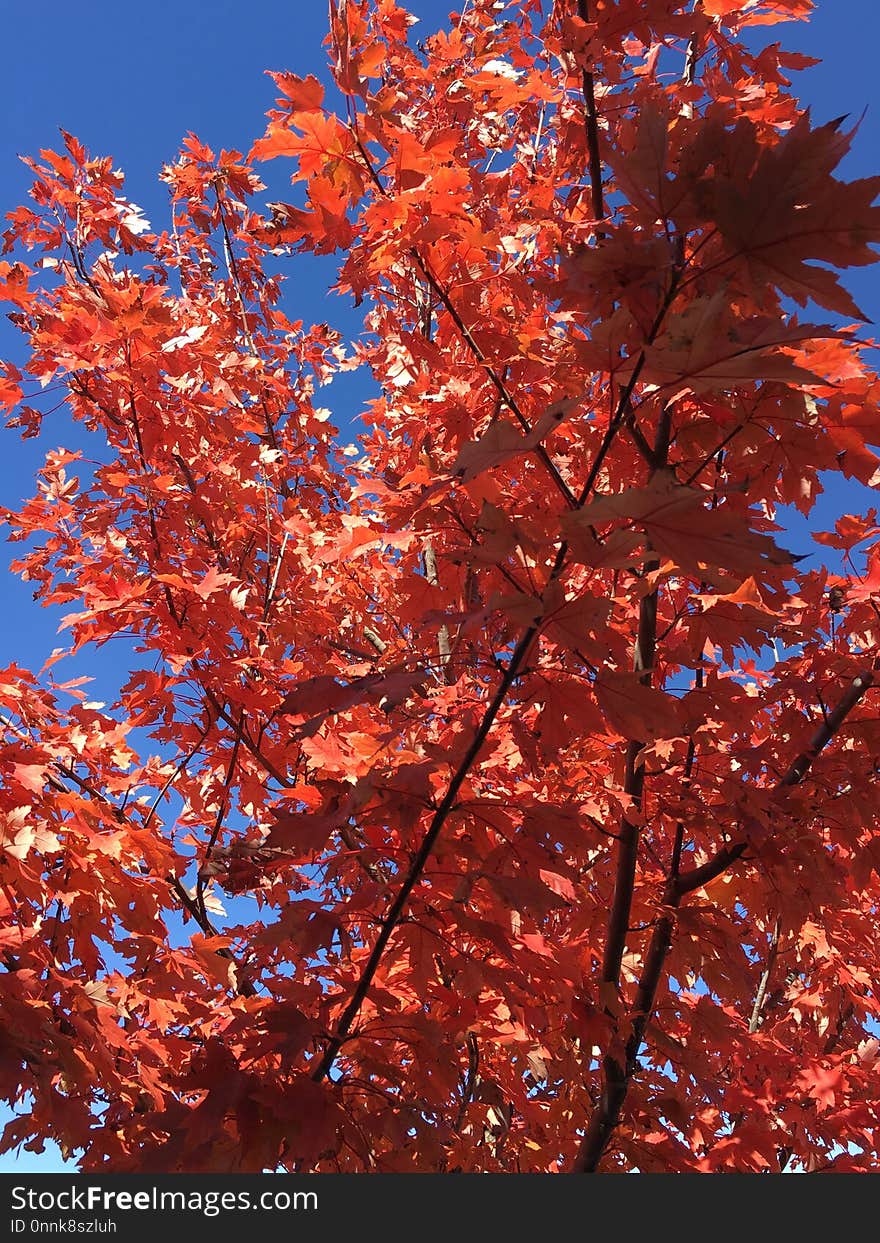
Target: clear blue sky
131 80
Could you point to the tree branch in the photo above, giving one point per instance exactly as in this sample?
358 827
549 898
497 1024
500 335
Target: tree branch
607 1114
634 779
591 126
697 877
424 852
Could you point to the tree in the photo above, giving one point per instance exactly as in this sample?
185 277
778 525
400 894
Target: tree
537 776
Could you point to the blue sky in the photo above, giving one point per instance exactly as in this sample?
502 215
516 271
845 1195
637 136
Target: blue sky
131 81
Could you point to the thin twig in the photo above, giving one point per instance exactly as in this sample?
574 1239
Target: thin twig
755 1017
218 823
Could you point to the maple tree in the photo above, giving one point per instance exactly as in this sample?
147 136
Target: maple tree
498 793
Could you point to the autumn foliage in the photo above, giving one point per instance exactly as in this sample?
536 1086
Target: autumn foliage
498 791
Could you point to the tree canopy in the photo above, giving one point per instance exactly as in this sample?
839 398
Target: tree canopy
491 787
